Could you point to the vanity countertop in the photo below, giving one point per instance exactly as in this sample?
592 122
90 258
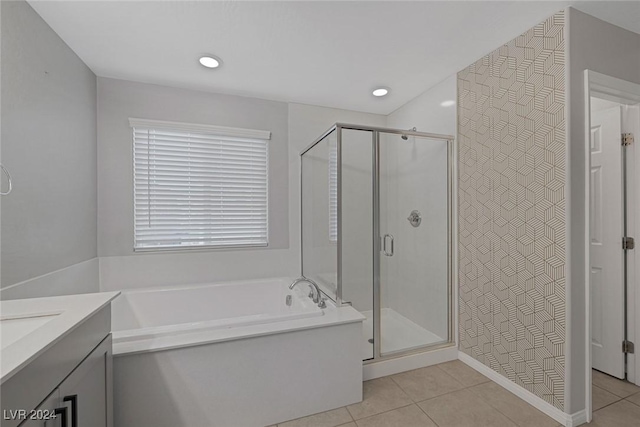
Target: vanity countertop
28 327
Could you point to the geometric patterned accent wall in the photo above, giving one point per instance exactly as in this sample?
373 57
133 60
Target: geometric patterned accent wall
512 166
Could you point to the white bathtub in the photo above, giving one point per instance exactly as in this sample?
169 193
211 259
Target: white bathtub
147 314
232 354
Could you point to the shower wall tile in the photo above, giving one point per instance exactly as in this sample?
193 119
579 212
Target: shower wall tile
512 165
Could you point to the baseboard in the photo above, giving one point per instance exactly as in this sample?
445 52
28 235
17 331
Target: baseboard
569 420
407 363
577 418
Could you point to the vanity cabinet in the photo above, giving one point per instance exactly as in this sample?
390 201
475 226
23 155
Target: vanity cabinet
84 398
71 378
87 391
49 407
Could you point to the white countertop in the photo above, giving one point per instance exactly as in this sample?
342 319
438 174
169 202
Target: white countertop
28 327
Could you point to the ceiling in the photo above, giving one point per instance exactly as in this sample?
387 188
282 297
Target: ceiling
321 53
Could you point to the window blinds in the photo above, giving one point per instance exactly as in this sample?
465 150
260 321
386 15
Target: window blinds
333 192
199 186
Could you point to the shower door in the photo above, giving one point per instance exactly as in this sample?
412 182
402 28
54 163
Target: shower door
376 229
356 237
413 259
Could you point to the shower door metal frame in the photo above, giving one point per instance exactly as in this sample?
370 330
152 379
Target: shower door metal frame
375 146
377 299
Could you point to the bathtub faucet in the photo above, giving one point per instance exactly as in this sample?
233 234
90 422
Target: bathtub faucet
315 294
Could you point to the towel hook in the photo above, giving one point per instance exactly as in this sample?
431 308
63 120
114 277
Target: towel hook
6 172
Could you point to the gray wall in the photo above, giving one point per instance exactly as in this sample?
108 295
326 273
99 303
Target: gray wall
607 49
425 111
120 269
49 146
118 100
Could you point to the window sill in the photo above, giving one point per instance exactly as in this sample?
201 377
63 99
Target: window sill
175 249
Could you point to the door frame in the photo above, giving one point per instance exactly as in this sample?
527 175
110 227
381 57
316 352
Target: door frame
624 92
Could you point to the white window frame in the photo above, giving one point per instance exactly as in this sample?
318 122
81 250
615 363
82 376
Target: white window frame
252 136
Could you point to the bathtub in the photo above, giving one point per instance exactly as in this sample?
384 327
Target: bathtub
149 314
231 354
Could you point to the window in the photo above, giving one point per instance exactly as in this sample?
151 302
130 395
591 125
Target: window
333 191
199 186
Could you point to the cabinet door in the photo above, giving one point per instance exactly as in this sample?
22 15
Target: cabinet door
88 390
50 413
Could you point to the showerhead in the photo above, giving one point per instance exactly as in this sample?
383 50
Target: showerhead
405 137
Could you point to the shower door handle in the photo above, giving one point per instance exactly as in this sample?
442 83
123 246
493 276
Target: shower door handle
384 245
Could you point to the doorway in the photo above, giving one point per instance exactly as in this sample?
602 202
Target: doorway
611 221
613 293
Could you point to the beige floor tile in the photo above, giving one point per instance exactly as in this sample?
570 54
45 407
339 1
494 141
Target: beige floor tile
516 409
351 424
601 398
332 418
465 375
408 416
620 414
614 385
425 383
463 408
379 395
634 398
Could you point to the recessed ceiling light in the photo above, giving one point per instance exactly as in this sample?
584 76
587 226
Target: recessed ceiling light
210 61
381 91
448 103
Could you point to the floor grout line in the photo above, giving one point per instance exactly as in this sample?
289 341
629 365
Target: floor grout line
318 413
498 410
380 413
428 416
627 398
443 394
593 383
349 412
616 395
489 404
468 388
514 421
454 378
401 389
485 401
429 398
609 404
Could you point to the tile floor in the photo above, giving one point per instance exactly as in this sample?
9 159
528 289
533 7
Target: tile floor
615 403
452 394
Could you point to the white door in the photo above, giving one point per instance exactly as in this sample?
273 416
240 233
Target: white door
607 291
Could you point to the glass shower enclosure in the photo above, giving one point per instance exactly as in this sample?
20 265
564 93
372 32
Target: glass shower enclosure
376 232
